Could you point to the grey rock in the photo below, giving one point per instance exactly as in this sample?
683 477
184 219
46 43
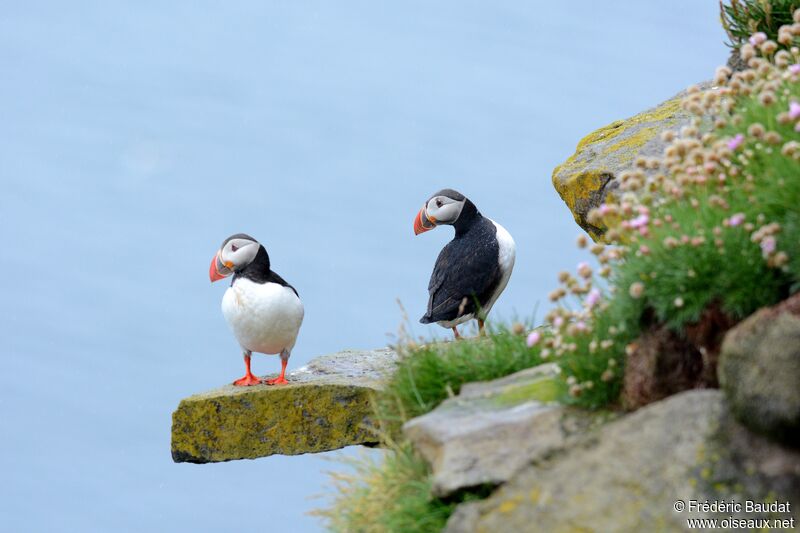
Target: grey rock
759 370
325 406
492 429
735 61
464 518
627 475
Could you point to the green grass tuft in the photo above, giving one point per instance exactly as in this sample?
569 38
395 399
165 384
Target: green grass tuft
392 495
742 18
430 374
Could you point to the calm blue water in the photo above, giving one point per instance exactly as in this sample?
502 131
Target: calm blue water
134 138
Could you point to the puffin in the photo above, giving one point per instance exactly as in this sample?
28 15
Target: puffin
262 309
473 269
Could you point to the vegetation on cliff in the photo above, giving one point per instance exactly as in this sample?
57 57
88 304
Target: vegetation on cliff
717 227
389 495
395 494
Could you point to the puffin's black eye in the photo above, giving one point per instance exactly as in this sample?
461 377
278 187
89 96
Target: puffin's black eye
234 247
438 203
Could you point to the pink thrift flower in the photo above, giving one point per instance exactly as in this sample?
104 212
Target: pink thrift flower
768 245
580 325
592 298
794 69
794 110
636 289
736 142
558 321
534 338
640 221
797 127
758 38
736 219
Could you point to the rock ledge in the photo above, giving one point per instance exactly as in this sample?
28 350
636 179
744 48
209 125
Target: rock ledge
326 406
493 429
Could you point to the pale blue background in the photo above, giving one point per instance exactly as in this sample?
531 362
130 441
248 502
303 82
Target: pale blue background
135 137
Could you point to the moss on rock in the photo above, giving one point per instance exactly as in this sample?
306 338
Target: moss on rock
326 406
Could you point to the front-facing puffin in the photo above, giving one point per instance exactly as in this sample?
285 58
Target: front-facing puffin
263 310
473 269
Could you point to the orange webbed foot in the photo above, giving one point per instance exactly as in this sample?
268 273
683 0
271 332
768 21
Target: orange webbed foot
280 380
247 381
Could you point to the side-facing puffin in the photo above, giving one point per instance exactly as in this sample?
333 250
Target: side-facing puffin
263 310
473 269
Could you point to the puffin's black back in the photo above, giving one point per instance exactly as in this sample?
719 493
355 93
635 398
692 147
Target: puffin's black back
258 271
466 268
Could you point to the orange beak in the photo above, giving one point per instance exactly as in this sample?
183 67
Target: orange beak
217 271
423 223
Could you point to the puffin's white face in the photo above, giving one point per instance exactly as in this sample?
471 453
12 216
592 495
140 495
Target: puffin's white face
440 209
237 252
443 210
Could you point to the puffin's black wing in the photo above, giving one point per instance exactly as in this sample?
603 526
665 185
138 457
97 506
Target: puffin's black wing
465 276
275 278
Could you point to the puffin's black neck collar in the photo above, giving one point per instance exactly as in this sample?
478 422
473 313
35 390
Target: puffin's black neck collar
257 270
467 218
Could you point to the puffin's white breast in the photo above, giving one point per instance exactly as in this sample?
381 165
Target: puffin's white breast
456 322
505 257
264 317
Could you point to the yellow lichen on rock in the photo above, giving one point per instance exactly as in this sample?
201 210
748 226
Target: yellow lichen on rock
578 190
605 133
586 178
628 147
